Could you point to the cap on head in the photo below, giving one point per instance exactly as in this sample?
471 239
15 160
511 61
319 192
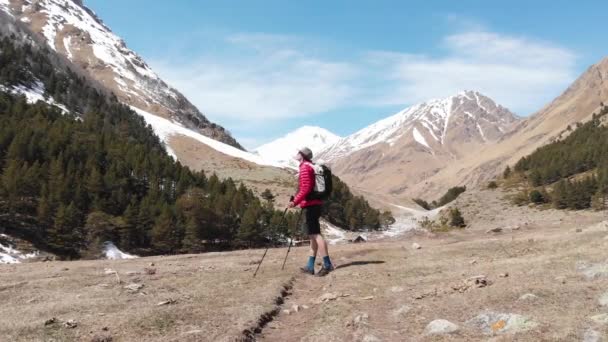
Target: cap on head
306 153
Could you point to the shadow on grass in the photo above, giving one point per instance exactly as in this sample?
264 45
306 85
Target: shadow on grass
360 263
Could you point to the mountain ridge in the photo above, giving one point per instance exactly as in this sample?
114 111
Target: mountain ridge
75 31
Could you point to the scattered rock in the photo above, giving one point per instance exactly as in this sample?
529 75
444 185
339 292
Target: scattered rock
592 336
416 246
51 321
151 264
133 287
497 323
167 302
504 275
102 338
528 297
329 296
370 338
71 324
561 279
594 271
108 271
472 282
150 271
295 308
603 300
441 327
397 289
305 307
194 332
367 298
402 311
600 319
359 321
287 312
473 262
494 230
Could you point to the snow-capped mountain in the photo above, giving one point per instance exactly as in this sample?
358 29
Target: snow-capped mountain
74 31
434 124
400 152
282 151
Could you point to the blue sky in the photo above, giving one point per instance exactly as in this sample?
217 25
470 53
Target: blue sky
264 68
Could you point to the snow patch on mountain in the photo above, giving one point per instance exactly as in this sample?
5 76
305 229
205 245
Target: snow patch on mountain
10 255
165 129
111 252
34 94
420 138
283 150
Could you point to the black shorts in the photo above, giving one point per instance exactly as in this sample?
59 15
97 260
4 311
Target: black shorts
311 225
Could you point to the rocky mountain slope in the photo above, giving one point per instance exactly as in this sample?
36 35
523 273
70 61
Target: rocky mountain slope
396 153
576 104
74 31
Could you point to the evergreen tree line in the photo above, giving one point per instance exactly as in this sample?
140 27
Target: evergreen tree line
551 167
344 209
71 181
448 197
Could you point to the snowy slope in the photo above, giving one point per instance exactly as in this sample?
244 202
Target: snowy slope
9 255
282 151
429 120
33 94
74 31
112 252
166 128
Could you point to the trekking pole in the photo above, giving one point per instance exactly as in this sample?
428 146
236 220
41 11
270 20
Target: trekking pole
291 240
266 251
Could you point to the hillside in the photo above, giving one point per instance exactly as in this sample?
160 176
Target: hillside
576 104
400 153
74 31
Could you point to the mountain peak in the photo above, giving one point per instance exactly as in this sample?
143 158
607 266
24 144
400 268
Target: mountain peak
438 120
282 150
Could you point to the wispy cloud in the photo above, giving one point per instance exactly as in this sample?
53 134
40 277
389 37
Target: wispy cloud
517 72
262 78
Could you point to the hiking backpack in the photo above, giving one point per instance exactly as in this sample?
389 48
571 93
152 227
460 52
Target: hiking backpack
323 182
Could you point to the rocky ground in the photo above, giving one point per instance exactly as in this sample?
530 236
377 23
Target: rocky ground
546 280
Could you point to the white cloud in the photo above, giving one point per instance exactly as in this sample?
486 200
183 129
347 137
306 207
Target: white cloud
262 78
519 73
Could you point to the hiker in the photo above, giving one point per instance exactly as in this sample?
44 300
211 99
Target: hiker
312 213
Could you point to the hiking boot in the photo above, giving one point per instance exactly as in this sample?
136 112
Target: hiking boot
325 271
307 270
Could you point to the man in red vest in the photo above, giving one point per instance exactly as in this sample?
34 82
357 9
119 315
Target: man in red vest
312 213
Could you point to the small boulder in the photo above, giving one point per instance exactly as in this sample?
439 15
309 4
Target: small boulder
441 327
592 336
133 287
494 230
71 324
528 297
416 246
295 308
603 300
601 319
497 323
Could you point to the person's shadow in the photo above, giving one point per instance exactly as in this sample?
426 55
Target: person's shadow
360 263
